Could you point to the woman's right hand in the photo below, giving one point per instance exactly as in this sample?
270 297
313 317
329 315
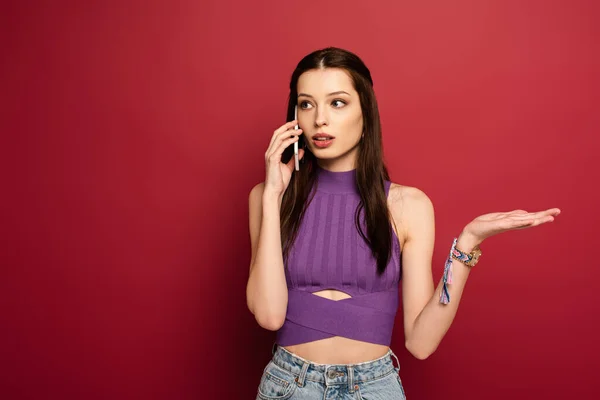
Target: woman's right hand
278 174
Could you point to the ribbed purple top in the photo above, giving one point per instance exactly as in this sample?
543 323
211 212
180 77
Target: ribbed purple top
329 253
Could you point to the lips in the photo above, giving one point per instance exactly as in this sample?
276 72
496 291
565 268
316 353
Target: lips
323 135
322 140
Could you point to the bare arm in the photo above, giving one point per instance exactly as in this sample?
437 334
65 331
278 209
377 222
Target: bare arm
426 320
266 291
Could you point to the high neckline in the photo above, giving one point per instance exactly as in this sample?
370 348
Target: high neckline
336 182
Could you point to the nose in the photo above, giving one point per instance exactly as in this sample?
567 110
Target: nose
321 118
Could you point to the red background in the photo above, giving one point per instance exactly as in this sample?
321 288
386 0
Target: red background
132 133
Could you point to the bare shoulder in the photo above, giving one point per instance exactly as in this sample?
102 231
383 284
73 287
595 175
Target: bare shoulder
257 190
408 205
409 193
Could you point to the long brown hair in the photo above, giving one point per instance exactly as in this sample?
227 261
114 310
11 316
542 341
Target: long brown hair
370 168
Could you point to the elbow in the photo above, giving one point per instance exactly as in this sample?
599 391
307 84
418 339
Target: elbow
418 351
267 319
421 356
270 322
267 316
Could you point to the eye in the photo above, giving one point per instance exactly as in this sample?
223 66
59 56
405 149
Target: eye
338 101
304 105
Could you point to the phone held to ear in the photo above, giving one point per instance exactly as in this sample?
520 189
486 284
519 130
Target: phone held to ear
296 142
292 150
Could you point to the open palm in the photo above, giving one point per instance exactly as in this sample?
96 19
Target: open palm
492 224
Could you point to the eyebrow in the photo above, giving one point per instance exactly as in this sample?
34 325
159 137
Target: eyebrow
330 94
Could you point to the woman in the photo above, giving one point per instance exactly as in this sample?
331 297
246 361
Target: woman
332 241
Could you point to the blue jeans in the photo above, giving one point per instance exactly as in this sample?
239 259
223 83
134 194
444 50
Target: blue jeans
288 376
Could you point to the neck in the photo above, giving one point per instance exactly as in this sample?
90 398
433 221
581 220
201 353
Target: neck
336 181
345 162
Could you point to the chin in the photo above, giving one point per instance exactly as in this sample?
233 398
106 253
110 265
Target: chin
332 156
331 153
326 154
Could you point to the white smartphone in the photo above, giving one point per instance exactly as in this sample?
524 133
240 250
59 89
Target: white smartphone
296 142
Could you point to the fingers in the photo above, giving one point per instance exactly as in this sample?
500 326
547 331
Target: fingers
534 215
281 138
285 127
542 219
543 215
280 145
535 222
521 219
530 221
507 214
280 135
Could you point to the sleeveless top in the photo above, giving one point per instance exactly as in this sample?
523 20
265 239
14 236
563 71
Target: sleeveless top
329 253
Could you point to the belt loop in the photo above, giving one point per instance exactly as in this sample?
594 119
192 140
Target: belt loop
397 361
350 379
300 379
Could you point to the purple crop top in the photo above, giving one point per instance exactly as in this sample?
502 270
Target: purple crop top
329 253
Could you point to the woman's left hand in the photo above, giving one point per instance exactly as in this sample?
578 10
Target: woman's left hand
492 224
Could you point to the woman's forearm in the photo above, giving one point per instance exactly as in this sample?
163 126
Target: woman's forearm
266 291
435 319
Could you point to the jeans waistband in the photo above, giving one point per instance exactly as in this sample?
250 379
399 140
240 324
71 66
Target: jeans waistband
334 374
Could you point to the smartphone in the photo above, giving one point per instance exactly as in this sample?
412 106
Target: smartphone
296 143
292 150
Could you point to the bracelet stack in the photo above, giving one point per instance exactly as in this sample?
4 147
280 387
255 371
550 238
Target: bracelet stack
445 297
468 259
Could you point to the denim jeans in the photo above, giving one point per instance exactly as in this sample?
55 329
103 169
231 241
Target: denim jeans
288 376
